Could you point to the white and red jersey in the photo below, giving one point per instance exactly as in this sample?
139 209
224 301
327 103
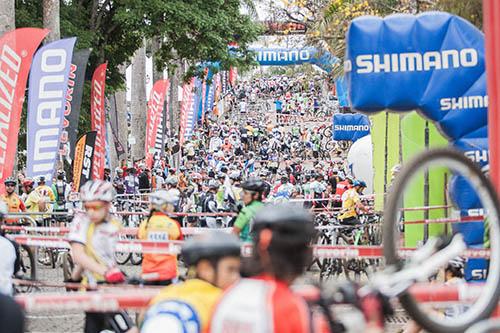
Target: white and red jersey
261 304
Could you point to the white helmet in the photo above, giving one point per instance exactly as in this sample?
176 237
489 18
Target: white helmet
172 180
97 190
161 198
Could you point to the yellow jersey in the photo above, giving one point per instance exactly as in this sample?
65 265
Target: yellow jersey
159 227
15 205
187 307
350 198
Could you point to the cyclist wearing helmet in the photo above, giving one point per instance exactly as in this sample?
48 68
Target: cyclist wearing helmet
351 203
252 198
118 181
44 190
10 256
209 204
13 201
61 190
213 261
93 236
33 198
265 302
161 269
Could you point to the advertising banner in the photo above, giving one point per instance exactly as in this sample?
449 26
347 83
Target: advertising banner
294 56
16 52
98 119
350 127
433 62
74 96
154 117
48 85
187 107
83 160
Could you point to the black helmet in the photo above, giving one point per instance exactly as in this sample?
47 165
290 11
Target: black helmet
210 245
291 225
253 184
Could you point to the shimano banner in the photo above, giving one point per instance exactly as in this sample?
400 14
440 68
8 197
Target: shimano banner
433 62
350 127
296 56
16 52
48 85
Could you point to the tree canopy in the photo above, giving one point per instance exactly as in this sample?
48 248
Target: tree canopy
190 30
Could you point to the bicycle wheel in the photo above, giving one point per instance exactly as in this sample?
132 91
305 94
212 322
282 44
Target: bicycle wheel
28 268
488 299
67 265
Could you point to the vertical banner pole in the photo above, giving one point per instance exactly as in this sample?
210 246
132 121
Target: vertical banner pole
491 10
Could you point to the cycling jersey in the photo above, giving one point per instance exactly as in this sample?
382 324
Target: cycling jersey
46 191
180 308
15 205
349 200
261 304
340 189
99 241
244 219
32 202
159 227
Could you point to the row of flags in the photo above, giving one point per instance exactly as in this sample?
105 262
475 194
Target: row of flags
56 80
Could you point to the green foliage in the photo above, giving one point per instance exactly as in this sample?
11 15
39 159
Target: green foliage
195 31
191 30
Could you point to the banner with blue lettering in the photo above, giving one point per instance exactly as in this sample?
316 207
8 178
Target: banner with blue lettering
48 84
350 127
433 62
295 56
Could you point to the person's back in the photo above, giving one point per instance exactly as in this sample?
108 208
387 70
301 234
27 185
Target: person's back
287 312
159 228
193 298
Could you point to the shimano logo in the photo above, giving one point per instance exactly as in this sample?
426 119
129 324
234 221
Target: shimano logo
479 156
283 55
49 110
466 102
415 61
352 127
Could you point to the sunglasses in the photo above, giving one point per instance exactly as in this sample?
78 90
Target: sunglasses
10 185
93 207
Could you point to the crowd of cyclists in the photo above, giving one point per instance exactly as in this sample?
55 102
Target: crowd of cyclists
270 177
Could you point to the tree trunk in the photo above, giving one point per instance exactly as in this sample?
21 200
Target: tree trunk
175 110
121 110
138 104
155 46
51 20
7 16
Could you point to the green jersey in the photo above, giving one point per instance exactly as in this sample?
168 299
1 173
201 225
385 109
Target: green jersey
244 219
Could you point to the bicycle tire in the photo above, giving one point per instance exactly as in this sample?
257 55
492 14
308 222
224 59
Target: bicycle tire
488 300
32 268
67 265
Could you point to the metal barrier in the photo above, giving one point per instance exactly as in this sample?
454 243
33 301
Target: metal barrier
138 299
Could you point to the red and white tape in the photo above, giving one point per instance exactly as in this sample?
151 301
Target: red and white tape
137 299
173 247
